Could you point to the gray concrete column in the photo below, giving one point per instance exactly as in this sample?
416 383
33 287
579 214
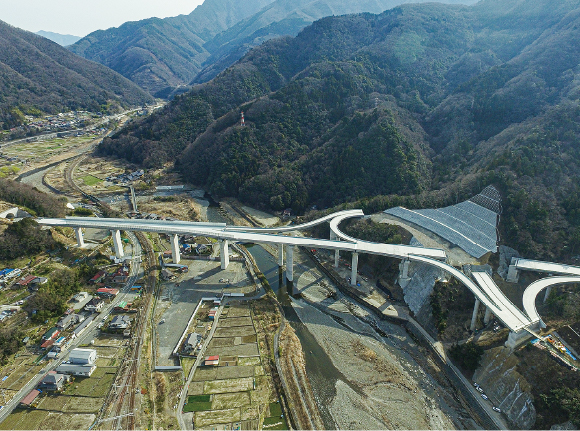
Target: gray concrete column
290 262
224 253
404 268
513 274
332 236
474 315
79 235
280 255
548 290
336 257
175 248
354 269
404 273
117 243
517 338
487 316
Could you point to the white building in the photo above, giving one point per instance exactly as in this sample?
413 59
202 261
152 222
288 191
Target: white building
76 370
82 356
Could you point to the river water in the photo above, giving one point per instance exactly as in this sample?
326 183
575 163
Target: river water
320 370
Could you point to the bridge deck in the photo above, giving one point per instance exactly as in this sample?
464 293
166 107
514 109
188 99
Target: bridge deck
489 294
536 287
549 267
511 315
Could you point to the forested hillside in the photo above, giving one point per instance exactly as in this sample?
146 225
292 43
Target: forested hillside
163 55
160 54
37 74
420 105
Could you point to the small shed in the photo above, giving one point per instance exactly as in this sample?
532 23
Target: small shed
30 398
212 360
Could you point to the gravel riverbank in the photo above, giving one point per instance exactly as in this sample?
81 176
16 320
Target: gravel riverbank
387 382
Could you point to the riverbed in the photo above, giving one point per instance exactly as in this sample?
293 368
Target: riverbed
361 379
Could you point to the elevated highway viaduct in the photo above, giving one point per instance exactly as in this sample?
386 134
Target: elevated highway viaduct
482 285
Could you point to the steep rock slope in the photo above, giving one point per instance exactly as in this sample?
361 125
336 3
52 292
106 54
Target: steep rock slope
36 73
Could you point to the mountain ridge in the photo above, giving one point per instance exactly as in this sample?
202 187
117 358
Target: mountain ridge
460 96
161 55
61 39
40 75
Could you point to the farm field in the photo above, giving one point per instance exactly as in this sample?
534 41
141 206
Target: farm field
237 394
77 406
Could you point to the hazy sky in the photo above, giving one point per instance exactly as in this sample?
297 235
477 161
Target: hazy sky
81 17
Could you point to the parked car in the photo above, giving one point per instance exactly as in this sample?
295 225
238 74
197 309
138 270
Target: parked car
479 389
495 409
484 397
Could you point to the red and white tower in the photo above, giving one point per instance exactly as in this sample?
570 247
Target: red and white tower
242 122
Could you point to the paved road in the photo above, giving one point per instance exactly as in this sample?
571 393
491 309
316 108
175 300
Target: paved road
90 333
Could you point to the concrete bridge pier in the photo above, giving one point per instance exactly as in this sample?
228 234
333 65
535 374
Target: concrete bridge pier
224 253
547 294
333 237
175 248
474 315
280 255
404 278
354 269
513 274
517 338
79 235
290 263
487 316
117 243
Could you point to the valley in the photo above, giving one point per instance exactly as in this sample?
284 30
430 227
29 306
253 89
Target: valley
293 215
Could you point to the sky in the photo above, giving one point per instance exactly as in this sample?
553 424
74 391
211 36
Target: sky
81 17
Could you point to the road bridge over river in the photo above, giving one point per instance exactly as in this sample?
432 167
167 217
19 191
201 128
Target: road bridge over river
482 285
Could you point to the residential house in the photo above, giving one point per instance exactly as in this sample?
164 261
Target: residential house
50 334
24 282
53 381
80 297
66 322
98 277
35 284
121 275
95 305
119 322
107 292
